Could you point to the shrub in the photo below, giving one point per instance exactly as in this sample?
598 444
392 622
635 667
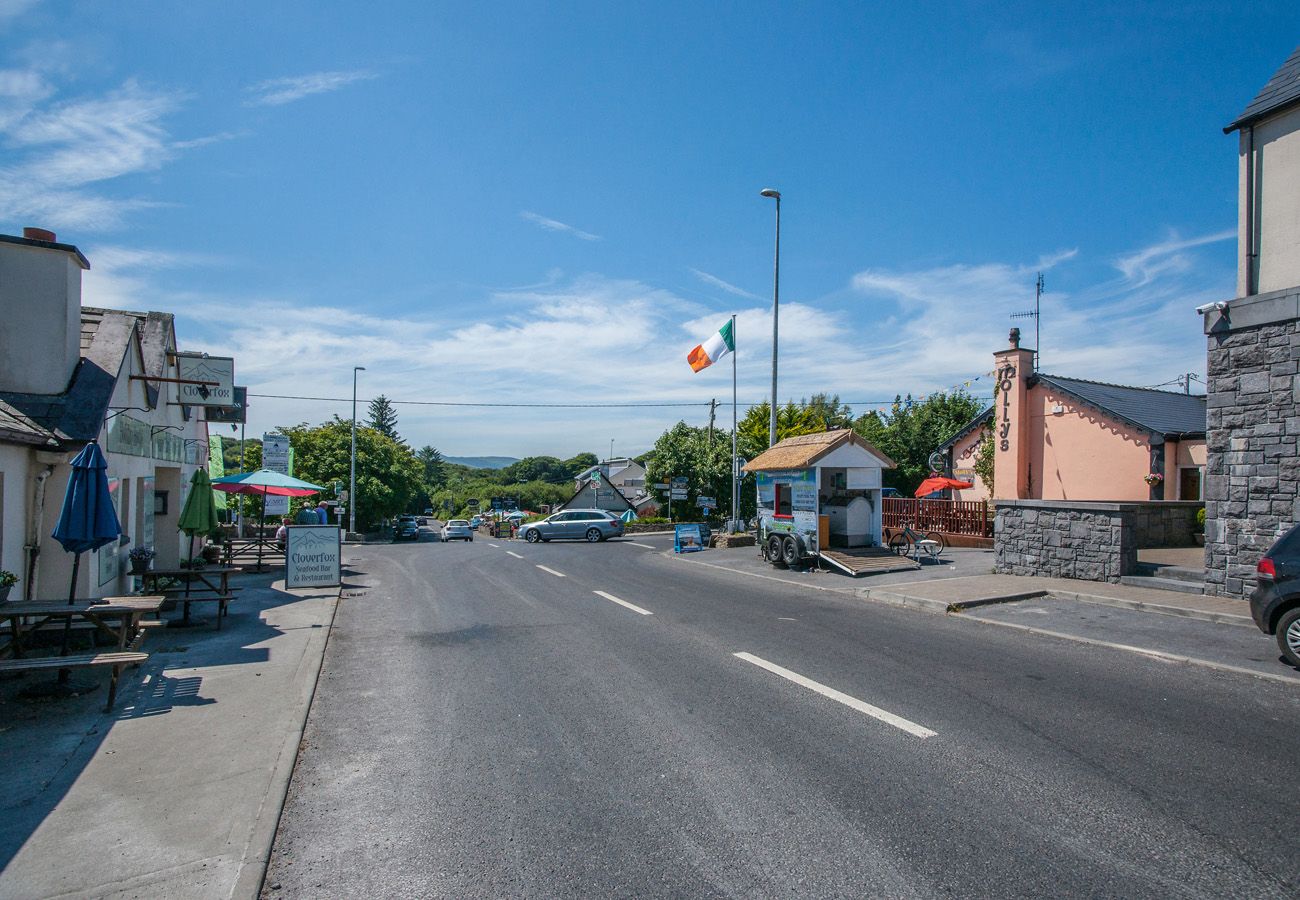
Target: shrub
1200 519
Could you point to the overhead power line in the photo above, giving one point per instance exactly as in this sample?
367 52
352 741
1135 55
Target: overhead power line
654 405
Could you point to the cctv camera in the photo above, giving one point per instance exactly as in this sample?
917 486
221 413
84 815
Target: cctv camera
1219 305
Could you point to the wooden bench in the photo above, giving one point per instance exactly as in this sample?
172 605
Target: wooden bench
45 663
222 601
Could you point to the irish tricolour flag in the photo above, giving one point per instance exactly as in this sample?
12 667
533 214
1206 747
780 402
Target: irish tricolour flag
712 350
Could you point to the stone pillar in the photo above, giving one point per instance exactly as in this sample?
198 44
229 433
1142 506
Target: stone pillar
1013 367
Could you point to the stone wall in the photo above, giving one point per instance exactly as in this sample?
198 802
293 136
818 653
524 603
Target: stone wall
1061 539
1165 524
1252 472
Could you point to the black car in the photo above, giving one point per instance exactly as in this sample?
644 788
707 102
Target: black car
407 528
1275 602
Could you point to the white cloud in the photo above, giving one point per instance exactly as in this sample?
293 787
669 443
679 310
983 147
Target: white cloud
1167 257
717 282
279 91
56 151
554 225
11 9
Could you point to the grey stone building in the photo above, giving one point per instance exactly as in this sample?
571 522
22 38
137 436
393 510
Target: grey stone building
1252 483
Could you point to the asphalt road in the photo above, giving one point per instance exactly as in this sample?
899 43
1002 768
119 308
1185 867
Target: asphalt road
485 726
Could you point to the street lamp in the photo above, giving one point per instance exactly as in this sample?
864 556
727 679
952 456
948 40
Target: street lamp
776 304
352 483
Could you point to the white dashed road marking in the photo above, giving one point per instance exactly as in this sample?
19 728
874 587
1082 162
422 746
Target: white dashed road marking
852 702
611 598
643 546
514 554
552 571
490 544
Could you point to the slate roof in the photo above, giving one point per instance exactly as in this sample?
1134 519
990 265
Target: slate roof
1159 412
1282 90
803 450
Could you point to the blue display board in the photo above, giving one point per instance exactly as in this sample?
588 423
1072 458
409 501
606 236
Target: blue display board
687 538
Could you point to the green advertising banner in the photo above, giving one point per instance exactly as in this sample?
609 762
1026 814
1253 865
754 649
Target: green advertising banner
216 468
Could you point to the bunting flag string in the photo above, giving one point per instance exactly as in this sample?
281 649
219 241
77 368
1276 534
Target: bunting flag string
908 402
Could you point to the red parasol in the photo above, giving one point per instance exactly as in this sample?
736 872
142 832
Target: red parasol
939 483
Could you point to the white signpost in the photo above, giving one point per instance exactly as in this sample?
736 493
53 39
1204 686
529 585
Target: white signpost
312 554
275 456
206 380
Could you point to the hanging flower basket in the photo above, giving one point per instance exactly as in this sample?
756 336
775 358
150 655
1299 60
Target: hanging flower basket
1153 479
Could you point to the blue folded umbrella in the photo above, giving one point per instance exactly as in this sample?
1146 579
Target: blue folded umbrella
88 520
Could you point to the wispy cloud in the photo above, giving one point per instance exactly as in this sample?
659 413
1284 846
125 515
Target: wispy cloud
10 9
1145 265
279 91
721 285
554 225
58 151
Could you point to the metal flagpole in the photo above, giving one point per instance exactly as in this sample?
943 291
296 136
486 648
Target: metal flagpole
735 490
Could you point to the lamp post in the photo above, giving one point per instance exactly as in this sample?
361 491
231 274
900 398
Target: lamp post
352 483
776 305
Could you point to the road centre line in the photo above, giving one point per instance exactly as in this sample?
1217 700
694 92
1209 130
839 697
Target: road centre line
552 571
514 554
613 599
852 702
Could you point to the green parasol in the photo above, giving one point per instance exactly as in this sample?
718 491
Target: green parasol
200 513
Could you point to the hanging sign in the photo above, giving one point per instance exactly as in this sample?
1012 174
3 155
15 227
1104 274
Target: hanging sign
205 380
312 556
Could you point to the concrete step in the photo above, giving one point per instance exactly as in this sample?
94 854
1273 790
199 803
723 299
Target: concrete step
1178 573
1164 584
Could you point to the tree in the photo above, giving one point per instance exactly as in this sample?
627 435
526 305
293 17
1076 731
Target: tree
383 418
805 417
434 469
984 457
388 474
913 429
685 451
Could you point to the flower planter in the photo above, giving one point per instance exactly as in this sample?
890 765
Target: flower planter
4 592
140 566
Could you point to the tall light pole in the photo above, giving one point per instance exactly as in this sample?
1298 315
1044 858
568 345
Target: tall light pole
352 482
776 307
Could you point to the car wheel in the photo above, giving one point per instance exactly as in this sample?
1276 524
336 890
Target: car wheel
593 535
1288 636
790 551
532 537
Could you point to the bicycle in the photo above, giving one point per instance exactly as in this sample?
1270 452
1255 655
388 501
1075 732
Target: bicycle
909 543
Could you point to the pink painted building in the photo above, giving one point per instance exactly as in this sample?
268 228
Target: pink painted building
1059 438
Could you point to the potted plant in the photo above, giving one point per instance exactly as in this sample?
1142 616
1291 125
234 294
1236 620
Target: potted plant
141 557
1199 534
7 580
211 553
1153 479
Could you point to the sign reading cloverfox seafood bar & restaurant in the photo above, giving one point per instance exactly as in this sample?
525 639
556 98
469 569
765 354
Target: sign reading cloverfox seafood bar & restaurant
312 556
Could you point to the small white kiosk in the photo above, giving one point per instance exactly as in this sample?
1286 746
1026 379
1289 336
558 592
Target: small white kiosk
819 497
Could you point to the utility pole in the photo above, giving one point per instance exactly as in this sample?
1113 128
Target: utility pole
713 405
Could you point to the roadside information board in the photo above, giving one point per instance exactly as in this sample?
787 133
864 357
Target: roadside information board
275 456
707 503
687 538
312 555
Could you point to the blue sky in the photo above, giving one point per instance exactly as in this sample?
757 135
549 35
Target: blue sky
553 203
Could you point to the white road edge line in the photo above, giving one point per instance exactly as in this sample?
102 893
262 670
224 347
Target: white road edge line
552 571
852 702
611 598
514 554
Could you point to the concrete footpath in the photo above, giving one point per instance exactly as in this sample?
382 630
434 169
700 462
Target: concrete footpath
177 792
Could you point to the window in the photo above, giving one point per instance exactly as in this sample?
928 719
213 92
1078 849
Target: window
782 492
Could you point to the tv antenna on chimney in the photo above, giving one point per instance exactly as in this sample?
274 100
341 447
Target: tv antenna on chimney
1036 315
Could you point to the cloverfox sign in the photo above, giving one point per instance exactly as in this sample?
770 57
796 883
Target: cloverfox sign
312 556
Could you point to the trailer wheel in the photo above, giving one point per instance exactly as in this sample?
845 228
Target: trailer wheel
790 551
774 550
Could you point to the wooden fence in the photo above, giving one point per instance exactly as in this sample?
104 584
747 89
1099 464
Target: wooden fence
969 517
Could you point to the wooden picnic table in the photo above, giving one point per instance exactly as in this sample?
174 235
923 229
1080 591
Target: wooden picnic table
263 547
120 617
209 583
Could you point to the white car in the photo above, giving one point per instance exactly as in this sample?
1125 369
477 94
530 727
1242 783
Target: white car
456 529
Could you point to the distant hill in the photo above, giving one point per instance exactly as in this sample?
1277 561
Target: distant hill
482 462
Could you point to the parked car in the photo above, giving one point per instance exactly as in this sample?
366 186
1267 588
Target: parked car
456 530
573 524
429 511
476 522
1275 602
406 527
421 520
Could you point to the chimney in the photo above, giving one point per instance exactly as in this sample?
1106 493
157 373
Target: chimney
1012 368
40 304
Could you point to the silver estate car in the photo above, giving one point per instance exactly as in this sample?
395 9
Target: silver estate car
575 525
